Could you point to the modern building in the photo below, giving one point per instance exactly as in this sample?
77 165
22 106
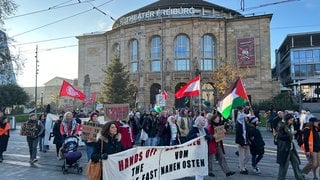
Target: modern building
298 62
7 75
164 44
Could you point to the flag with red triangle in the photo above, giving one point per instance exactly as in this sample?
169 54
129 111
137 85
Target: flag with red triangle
192 88
164 94
235 97
68 90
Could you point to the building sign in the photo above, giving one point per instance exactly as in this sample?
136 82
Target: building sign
156 14
245 52
158 162
116 111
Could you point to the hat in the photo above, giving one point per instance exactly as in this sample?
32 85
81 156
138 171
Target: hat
198 120
32 114
152 110
313 119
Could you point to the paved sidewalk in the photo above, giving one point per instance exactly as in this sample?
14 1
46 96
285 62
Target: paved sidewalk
16 166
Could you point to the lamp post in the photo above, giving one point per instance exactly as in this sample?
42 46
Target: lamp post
299 95
41 101
36 83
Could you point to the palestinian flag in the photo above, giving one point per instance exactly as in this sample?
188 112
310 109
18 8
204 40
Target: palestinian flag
235 97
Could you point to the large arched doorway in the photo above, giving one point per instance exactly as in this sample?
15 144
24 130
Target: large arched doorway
207 95
154 90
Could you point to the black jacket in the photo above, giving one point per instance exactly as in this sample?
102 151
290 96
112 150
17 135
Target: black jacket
256 141
58 139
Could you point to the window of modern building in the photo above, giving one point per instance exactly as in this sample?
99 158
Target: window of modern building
316 55
317 70
116 50
181 53
134 55
155 54
207 53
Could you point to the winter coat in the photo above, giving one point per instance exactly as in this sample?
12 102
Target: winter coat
58 139
193 133
256 141
127 136
4 135
212 145
39 128
241 136
150 125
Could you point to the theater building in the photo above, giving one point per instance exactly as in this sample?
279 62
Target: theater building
164 44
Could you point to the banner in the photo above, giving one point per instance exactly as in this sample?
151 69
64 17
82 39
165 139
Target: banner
68 90
219 133
246 52
158 162
90 131
28 129
116 111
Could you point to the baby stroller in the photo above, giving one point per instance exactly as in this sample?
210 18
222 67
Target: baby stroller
71 155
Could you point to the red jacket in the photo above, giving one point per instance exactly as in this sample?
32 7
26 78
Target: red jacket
127 136
212 145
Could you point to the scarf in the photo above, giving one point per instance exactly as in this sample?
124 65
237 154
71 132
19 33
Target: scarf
73 124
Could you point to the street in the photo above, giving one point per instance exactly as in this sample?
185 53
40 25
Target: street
16 166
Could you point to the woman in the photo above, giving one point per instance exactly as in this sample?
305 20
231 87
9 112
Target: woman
311 146
69 126
42 119
216 148
90 144
286 150
198 130
4 134
174 131
58 140
110 140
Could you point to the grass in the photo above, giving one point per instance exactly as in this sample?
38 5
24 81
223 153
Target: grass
21 117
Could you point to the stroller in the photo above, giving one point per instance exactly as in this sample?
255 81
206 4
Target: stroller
71 155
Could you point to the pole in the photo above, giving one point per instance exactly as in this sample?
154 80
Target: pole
36 85
200 103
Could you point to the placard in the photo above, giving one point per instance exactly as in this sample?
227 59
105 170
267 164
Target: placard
28 129
116 111
219 133
90 131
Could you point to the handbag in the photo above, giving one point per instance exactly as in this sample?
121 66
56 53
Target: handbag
94 170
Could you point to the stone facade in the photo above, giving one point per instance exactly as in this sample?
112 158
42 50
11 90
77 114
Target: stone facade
96 50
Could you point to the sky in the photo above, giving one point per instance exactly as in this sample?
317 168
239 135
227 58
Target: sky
53 25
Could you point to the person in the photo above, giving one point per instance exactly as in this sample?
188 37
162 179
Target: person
42 119
58 140
69 126
110 140
126 131
256 143
4 134
286 150
90 144
150 126
164 129
173 131
275 125
216 149
311 147
33 140
183 124
199 129
242 140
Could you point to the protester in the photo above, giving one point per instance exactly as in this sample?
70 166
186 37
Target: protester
4 134
173 131
69 126
58 140
183 124
42 119
199 129
33 140
126 131
311 147
242 140
216 149
164 129
286 150
110 140
256 143
90 144
150 126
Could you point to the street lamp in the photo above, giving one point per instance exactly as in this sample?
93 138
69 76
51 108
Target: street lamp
299 95
41 101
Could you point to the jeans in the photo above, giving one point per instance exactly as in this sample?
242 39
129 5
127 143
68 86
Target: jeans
152 141
41 142
32 144
256 159
89 150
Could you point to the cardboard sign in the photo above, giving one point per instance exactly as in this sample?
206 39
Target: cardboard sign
90 131
219 133
28 129
116 111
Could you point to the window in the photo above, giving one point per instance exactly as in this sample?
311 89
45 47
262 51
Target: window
155 54
207 53
316 55
116 50
134 55
296 70
182 53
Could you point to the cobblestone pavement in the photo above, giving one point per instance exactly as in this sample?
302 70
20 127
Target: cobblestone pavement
16 166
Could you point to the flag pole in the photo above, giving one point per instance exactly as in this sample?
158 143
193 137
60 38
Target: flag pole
200 103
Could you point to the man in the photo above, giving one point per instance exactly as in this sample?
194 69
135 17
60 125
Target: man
274 124
150 126
34 138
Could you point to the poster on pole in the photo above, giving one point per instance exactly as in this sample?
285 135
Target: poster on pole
116 111
219 133
160 101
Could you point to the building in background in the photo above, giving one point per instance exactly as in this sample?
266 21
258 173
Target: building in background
166 43
298 63
7 75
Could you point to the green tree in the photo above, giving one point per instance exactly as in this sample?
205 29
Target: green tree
116 84
12 94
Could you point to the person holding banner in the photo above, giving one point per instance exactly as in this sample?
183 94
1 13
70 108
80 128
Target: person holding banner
199 129
217 131
90 144
4 134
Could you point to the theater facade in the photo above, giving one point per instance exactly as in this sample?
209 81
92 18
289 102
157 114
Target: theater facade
166 43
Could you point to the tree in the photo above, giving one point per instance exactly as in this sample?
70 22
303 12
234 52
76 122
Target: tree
7 7
116 84
12 94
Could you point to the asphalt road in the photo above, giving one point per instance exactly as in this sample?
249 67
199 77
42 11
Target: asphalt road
16 166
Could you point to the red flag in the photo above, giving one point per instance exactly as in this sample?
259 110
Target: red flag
164 94
68 90
192 88
91 100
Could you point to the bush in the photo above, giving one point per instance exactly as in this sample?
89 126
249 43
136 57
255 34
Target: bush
283 101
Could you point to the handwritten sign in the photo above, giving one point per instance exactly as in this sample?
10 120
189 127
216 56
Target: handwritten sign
116 111
90 131
28 129
219 133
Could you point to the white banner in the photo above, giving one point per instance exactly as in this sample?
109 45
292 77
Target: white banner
158 162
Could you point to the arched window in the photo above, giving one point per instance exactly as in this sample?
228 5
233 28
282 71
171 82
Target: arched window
207 53
116 50
134 55
182 53
155 54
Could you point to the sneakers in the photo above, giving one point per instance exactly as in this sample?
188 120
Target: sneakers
230 173
244 171
256 170
34 160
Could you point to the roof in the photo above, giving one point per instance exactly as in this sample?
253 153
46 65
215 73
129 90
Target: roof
307 82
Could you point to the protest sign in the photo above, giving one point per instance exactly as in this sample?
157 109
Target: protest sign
116 111
219 133
28 129
90 131
159 162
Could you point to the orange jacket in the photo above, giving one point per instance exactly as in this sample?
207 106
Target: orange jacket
5 130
